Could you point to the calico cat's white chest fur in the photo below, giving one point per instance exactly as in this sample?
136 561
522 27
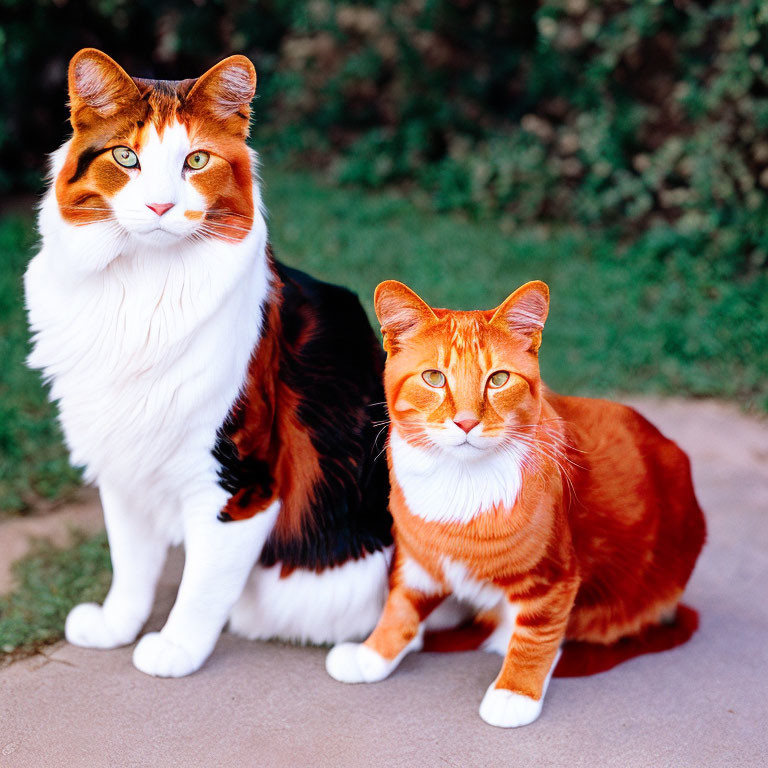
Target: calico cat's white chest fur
147 355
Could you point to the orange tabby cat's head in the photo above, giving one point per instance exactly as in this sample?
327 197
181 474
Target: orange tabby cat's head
462 381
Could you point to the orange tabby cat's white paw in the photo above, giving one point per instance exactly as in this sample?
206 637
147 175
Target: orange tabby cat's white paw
356 663
506 709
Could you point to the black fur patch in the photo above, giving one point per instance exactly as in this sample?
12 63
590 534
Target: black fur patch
332 360
87 156
236 473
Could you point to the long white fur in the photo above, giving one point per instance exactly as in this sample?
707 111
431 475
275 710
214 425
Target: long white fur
344 602
145 332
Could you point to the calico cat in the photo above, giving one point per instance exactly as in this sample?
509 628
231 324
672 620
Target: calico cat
552 517
217 397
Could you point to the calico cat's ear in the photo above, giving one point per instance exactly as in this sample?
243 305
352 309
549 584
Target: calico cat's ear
400 311
525 311
226 90
99 83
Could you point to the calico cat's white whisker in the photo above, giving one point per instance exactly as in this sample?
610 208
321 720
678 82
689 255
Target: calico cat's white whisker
227 212
213 226
379 434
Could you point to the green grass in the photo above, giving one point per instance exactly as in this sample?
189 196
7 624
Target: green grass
50 582
622 319
33 461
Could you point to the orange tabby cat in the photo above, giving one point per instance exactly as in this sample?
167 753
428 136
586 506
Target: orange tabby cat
553 517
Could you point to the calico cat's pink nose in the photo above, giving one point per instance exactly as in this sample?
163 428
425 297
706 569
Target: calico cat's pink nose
466 424
159 208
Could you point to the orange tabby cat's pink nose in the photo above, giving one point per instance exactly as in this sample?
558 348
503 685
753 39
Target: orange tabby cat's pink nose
159 208
466 424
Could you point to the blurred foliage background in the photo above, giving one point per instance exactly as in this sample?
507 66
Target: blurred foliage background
616 148
639 114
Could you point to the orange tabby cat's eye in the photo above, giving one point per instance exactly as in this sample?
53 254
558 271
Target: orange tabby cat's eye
434 378
498 379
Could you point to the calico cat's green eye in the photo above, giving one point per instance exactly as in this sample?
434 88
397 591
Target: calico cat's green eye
434 378
125 157
197 160
498 379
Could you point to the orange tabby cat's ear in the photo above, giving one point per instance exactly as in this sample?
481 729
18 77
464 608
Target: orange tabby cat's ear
225 90
400 311
98 82
525 311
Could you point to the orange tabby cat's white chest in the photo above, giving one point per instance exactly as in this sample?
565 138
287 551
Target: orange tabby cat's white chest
439 487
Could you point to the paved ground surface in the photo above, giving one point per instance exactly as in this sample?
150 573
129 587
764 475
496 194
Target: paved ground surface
705 704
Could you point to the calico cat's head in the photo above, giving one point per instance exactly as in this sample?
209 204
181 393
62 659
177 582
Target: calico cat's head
462 382
162 161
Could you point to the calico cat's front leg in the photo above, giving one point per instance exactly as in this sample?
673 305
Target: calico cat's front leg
218 558
516 697
137 553
399 631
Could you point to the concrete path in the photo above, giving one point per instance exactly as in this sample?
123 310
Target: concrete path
256 704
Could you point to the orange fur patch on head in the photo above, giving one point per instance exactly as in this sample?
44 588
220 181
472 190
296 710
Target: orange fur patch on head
525 311
216 113
225 182
224 93
98 87
400 311
106 109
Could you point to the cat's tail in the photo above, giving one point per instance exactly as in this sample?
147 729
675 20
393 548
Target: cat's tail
580 658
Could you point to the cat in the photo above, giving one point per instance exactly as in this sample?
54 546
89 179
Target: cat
218 398
553 517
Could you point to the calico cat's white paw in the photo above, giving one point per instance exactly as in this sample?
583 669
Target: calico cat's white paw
156 656
506 709
87 626
356 663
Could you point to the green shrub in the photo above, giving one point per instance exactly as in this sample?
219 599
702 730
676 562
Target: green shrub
633 113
